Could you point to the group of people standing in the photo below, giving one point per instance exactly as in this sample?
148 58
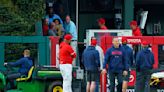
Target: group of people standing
116 62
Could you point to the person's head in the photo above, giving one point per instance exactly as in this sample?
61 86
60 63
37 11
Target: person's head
124 40
67 19
144 44
56 21
93 41
26 53
101 22
115 42
45 21
133 25
52 26
67 38
50 10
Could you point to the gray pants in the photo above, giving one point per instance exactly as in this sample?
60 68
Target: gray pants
142 81
11 78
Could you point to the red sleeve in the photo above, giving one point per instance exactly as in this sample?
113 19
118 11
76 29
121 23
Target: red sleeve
138 32
71 51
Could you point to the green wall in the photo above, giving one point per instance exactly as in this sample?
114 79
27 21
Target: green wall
43 47
128 12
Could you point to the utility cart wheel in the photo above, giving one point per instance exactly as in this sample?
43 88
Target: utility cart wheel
55 87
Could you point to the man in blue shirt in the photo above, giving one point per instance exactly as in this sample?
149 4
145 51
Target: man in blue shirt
144 65
116 59
101 56
70 28
25 63
51 16
91 61
129 53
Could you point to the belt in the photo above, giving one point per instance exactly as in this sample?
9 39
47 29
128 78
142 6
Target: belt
73 40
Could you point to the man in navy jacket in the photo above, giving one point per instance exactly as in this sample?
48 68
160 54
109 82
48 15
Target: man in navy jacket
144 65
25 63
118 66
129 53
91 61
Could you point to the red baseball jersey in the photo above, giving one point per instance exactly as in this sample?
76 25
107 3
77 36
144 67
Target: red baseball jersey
137 32
66 53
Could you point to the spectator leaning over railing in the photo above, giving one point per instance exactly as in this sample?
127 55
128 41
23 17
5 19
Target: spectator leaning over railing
70 28
59 28
51 16
51 31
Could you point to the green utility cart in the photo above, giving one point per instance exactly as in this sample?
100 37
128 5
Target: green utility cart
41 79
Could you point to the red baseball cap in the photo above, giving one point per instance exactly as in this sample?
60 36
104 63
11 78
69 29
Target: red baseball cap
101 21
68 37
144 43
124 40
133 22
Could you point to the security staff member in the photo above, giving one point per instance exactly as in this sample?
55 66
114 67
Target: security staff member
129 53
144 65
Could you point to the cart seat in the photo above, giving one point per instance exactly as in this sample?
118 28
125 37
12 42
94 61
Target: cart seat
28 77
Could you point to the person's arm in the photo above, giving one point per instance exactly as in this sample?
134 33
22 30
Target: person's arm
72 52
138 32
131 57
152 58
97 57
82 60
51 33
107 55
17 63
101 54
138 59
125 61
73 31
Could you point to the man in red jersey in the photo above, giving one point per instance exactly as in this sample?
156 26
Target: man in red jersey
136 30
66 56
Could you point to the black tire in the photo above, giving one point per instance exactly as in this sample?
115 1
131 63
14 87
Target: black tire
56 86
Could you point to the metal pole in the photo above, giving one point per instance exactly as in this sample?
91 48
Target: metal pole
77 25
77 14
